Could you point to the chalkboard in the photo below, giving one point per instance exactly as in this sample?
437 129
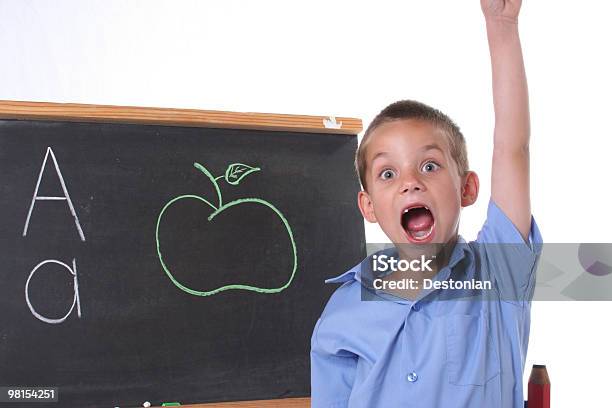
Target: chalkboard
145 262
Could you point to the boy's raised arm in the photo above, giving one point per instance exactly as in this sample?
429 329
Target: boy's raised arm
510 171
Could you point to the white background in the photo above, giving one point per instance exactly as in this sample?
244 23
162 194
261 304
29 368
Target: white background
349 58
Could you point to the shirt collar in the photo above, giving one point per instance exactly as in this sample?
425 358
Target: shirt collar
355 273
347 276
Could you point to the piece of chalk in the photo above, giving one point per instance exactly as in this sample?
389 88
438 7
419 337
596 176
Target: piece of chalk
330 123
146 404
171 404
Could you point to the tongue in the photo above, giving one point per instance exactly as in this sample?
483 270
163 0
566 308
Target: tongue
420 220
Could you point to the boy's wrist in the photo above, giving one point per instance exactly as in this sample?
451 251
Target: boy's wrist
501 21
501 25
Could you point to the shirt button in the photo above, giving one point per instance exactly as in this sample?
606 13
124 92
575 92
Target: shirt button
416 307
412 377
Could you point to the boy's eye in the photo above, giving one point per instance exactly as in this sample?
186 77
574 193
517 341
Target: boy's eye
430 166
387 174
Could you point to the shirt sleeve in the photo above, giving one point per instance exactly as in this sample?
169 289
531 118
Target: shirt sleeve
509 260
332 373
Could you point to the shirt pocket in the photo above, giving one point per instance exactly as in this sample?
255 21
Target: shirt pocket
470 351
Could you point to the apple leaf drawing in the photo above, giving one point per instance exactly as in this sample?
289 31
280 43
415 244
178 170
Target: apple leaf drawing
237 171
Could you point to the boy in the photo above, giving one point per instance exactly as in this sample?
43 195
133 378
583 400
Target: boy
423 346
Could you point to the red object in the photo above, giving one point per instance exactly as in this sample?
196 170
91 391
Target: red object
538 393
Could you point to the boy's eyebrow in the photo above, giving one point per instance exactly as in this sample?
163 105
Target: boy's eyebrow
432 146
379 154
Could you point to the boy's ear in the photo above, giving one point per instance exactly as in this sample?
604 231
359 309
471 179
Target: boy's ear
469 190
365 206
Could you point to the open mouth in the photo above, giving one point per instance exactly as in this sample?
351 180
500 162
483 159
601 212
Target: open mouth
418 222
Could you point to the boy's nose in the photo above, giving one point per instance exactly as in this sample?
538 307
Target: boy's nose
412 187
412 184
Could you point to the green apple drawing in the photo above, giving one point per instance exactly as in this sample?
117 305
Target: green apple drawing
234 173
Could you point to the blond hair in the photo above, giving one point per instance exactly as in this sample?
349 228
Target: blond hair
408 109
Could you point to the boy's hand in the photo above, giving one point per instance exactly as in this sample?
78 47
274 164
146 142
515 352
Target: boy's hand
505 10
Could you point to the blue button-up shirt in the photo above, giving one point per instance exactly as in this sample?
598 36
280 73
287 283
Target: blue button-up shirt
437 350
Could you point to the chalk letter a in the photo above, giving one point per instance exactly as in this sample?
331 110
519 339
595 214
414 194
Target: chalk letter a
66 196
75 300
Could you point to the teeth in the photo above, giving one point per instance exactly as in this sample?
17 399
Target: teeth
408 209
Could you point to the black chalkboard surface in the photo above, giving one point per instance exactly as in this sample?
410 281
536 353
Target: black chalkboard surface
166 263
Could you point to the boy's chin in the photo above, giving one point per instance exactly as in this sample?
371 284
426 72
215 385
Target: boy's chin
420 248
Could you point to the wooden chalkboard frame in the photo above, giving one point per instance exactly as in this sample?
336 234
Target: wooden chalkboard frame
73 112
